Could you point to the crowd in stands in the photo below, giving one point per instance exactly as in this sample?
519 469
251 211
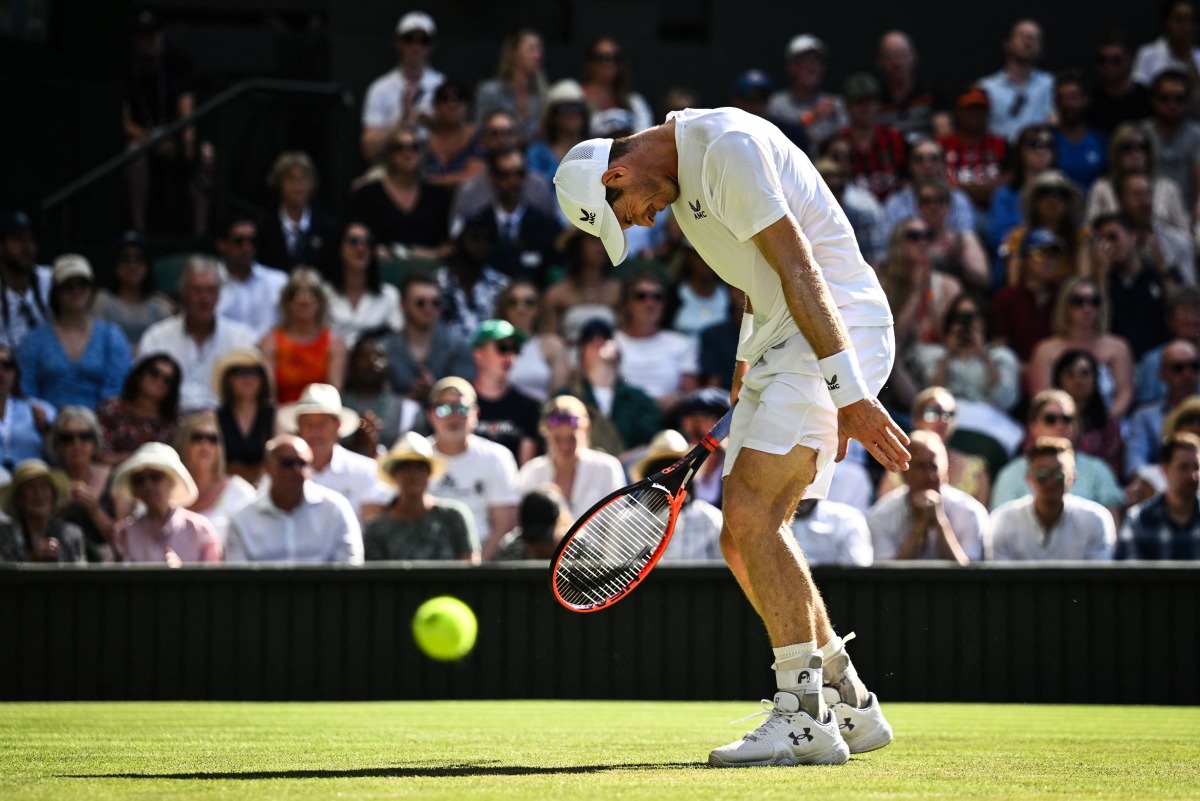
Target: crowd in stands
450 371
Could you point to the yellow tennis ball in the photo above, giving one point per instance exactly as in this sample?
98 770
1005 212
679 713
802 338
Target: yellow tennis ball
445 628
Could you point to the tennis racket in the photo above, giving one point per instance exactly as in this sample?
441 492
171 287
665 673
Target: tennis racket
616 543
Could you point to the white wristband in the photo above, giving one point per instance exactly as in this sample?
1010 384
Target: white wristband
843 378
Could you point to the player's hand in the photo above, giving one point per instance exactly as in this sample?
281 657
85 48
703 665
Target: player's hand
868 422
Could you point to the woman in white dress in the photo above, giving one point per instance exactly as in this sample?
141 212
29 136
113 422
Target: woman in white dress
542 366
362 301
198 442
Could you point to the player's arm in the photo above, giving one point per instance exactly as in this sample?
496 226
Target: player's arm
860 416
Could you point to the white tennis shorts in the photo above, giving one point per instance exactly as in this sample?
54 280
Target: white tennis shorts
783 401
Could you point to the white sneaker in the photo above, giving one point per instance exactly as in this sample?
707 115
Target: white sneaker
859 718
789 736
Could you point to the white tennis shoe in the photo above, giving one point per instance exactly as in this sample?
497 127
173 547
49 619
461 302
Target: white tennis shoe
856 711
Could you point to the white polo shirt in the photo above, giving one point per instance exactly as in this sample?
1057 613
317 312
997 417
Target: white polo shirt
254 302
195 360
1085 530
322 528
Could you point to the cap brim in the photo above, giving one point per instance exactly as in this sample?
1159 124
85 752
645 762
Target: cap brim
613 236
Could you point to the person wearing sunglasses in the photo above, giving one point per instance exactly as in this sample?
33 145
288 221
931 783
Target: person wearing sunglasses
164 532
295 520
1176 137
542 365
480 473
1100 434
506 414
361 300
425 349
147 410
1179 373
1031 155
385 415
249 290
1052 522
1175 49
74 444
303 348
519 86
1051 201
1053 413
1130 150
132 300
1116 96
218 493
524 234
1021 94
32 531
403 95
664 364
1022 314
607 82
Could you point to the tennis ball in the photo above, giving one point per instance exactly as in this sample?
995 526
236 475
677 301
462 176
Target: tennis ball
445 628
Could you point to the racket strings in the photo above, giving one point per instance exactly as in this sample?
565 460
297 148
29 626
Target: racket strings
609 552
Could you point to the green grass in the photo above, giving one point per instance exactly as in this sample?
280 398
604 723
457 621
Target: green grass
577 750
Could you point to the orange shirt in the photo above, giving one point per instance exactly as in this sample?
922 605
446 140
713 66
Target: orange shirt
298 364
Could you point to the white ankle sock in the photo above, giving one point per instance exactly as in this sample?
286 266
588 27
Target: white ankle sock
787 652
832 647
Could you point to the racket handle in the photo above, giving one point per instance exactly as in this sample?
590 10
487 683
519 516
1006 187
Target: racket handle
721 430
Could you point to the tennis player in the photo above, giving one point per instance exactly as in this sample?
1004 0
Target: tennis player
815 349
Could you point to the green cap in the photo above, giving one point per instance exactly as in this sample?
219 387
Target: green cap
494 331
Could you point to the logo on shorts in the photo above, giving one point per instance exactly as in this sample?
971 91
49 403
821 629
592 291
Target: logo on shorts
832 383
588 217
695 207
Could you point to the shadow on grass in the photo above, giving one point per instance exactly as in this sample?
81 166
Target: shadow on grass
433 771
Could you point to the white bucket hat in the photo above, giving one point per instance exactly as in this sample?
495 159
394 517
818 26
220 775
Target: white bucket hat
318 399
581 195
157 456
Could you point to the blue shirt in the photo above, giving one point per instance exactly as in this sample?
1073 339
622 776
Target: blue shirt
1083 161
19 437
47 372
1016 107
903 204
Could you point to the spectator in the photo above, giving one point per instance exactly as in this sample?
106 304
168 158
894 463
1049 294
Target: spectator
1081 321
935 409
321 420
608 83
1169 249
1136 288
866 218
1053 414
25 284
165 532
451 153
133 304
1131 151
927 163
519 86
542 521
147 410
1183 321
701 297
218 494
1032 155
718 343
75 444
698 412
403 96
294 519
524 236
303 349
967 362
565 121
582 475
542 364
662 363
1080 149
480 473
384 414
249 291
1052 523
416 525
927 518
951 251
1023 313
803 103
425 350
295 232
1178 370
34 534
23 420
697 535
751 93
506 415
1168 525
1077 373
1174 50
911 107
361 300
1053 202
622 416
1116 98
974 157
498 132
1176 138
832 533
242 381
1020 93
408 216
588 291
879 158
197 337
468 283
75 359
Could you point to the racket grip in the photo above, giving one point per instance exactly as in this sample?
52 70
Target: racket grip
721 430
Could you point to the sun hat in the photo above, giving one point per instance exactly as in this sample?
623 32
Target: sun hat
27 471
240 357
161 457
581 195
318 399
667 443
1052 181
411 447
71 265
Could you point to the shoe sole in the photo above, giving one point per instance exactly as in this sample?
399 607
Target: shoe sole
836 754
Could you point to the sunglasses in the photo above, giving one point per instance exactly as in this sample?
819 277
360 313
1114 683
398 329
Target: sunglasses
932 414
562 419
963 318
75 284
507 347
71 437
1134 146
243 240
1049 475
404 147
424 303
530 302
166 376
7 364
417 38
1040 144
204 436
356 241
243 371
930 200
1052 419
293 462
1188 420
918 235
1079 301
644 296
1178 368
444 410
1171 97
517 173
499 131
146 477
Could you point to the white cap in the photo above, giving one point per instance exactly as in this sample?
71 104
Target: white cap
581 195
416 21
806 43
71 265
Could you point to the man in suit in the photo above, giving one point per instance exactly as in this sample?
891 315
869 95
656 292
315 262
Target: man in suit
294 232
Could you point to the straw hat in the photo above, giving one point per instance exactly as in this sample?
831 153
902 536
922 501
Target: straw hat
318 399
157 456
411 447
1053 181
27 471
241 357
666 443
